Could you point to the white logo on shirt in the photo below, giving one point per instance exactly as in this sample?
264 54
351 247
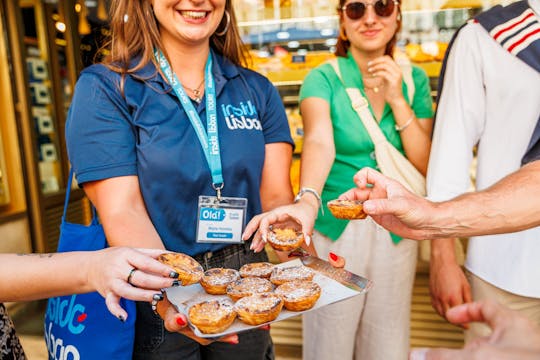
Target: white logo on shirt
243 116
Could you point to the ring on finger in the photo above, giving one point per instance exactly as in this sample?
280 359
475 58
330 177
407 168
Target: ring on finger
132 271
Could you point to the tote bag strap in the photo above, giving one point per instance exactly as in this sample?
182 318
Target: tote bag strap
66 200
361 106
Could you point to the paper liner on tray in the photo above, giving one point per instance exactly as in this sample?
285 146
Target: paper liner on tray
184 296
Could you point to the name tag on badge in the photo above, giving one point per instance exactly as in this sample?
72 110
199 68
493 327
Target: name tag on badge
221 222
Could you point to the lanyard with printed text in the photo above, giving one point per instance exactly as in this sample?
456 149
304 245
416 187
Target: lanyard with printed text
209 139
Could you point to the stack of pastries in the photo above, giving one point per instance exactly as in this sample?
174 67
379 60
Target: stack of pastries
256 293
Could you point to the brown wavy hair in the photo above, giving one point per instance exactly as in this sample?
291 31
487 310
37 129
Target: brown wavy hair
342 45
138 37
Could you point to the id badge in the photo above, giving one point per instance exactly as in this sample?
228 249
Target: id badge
221 222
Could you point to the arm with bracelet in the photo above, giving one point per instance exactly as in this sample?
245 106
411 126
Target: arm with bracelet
318 154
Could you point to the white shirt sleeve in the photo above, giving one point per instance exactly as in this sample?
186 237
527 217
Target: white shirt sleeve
459 120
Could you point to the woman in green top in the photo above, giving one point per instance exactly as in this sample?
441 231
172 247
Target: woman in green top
336 145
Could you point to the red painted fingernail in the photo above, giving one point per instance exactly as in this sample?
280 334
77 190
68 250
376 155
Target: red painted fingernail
333 256
180 321
265 327
233 341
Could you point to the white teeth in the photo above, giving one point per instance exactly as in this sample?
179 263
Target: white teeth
194 14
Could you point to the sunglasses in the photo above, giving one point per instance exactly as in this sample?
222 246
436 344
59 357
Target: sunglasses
356 10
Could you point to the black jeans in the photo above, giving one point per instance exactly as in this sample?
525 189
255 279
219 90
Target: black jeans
152 341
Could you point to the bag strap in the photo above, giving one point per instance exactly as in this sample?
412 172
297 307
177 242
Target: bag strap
361 106
66 200
406 69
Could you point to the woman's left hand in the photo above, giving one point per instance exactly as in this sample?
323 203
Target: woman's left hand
388 70
121 272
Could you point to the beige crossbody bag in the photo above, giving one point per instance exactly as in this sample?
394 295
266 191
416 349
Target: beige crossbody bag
390 160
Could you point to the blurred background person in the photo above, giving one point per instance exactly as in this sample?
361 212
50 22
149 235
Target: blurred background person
496 112
336 145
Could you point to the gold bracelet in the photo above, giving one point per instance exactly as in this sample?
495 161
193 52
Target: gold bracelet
404 126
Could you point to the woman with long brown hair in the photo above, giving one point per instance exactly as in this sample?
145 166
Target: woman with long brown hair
336 145
171 128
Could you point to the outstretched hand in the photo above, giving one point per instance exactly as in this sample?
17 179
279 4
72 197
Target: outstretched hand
298 215
513 336
391 205
109 269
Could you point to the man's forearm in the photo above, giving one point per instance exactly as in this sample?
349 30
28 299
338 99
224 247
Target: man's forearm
510 205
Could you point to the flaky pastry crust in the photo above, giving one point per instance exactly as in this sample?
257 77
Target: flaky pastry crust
259 308
248 286
281 275
188 269
285 239
216 280
213 316
299 295
259 269
347 209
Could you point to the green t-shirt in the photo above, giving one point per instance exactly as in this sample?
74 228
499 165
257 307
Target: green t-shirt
354 148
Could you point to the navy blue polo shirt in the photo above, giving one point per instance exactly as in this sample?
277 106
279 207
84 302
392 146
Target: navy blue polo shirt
147 133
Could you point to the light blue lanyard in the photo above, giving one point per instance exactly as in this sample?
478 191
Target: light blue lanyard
209 139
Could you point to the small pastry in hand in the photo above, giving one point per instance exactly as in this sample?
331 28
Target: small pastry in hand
285 239
347 209
188 269
248 286
299 295
212 317
281 275
258 309
215 281
259 269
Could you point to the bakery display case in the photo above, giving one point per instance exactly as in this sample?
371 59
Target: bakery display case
43 60
286 43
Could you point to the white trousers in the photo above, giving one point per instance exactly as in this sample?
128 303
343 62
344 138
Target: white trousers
375 325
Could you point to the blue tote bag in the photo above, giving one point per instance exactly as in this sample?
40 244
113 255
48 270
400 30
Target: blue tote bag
80 326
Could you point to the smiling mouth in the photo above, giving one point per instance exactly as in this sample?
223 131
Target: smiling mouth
196 15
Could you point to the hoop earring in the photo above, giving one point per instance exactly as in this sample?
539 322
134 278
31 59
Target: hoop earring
342 34
224 31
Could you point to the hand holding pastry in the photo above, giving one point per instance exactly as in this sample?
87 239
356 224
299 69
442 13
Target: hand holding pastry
188 269
298 215
119 272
